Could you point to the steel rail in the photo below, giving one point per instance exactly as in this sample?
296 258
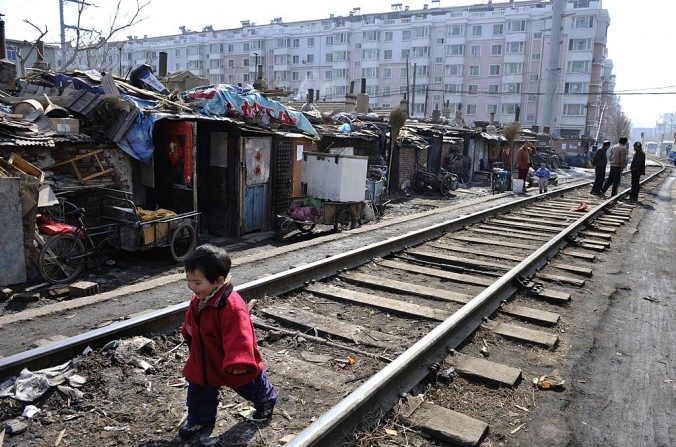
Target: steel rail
171 317
383 390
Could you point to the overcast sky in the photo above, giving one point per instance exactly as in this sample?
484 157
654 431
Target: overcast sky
640 41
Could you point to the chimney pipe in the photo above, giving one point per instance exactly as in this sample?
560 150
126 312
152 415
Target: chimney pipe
351 87
3 44
163 64
317 95
518 113
310 95
363 85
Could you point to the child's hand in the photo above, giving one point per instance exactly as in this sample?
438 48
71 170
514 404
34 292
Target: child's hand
237 370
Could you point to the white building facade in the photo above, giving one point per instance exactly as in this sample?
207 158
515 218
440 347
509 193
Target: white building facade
485 58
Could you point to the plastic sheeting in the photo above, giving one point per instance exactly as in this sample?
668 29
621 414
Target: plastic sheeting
222 99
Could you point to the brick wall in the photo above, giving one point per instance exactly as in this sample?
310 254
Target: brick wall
409 157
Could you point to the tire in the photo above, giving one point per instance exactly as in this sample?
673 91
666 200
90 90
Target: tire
62 259
346 219
183 242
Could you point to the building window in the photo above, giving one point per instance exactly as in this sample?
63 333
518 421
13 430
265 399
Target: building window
534 77
471 109
370 36
421 70
452 88
455 30
494 70
295 76
340 73
498 29
231 63
578 66
491 108
368 72
472 89
295 43
386 90
309 75
406 35
474 70
329 57
421 51
576 87
329 40
370 54
388 36
295 59
513 68
508 108
387 73
453 70
516 26
512 87
387 55
476 30
493 89
455 50
583 22
421 32
341 56
231 48
537 35
536 56
574 109
515 47
579 44
475 50
404 54
310 58
581 4
496 50
328 75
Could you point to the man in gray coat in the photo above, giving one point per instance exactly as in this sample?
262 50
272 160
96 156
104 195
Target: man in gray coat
617 160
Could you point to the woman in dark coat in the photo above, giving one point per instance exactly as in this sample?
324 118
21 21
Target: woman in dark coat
637 169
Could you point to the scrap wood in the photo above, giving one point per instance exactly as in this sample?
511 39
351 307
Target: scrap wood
517 429
59 438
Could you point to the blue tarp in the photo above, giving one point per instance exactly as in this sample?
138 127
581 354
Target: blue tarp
221 99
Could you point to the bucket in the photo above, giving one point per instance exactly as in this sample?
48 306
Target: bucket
517 186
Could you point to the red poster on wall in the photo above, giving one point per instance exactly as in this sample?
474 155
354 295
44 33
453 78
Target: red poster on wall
179 149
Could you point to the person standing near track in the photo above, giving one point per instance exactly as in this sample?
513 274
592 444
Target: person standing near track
637 169
523 163
600 161
543 175
223 345
617 160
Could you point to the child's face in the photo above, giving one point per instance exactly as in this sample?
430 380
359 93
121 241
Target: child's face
200 285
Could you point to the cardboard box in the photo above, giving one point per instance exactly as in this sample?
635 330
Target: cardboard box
157 232
68 126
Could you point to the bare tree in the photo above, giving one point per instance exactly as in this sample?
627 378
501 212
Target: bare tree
618 125
89 48
36 46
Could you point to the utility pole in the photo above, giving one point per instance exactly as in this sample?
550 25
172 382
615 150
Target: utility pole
427 98
408 88
415 69
64 26
553 68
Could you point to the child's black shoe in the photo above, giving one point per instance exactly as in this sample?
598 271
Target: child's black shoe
264 411
187 430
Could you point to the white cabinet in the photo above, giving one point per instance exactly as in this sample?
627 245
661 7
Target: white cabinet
338 178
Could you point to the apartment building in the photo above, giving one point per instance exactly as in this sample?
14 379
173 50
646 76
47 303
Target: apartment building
489 58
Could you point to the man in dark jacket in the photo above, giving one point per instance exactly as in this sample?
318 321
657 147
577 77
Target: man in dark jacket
637 169
600 161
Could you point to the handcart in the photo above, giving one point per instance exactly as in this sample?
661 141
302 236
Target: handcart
305 214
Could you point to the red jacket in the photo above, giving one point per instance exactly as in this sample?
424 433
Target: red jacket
220 337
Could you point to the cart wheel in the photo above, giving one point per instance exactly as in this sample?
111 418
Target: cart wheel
62 259
183 242
306 228
346 219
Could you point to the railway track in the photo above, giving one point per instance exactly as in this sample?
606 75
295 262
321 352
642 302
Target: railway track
344 337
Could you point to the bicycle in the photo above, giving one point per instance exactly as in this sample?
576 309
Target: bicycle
64 256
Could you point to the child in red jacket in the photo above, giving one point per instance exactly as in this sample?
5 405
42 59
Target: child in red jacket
222 340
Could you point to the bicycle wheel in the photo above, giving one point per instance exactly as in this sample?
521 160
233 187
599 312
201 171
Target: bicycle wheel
62 259
183 242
